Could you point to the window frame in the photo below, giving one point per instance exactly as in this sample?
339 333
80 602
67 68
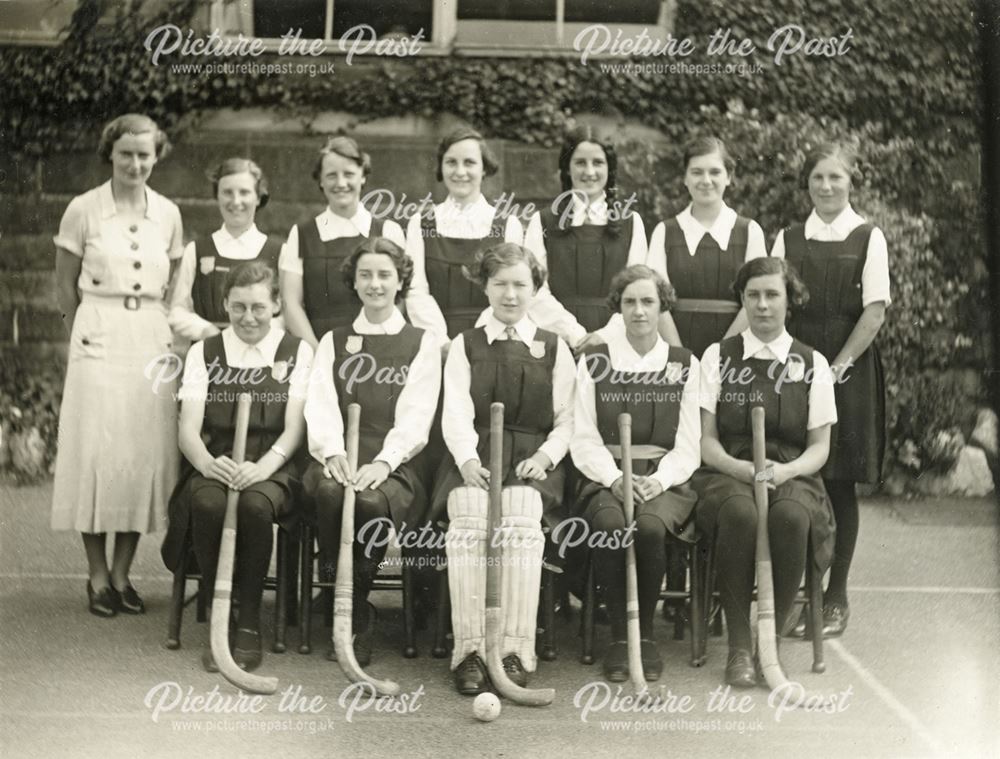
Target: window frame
445 38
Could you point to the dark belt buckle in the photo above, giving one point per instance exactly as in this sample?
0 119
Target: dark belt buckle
132 303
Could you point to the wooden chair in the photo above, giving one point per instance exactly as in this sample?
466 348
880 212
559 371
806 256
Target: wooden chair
284 583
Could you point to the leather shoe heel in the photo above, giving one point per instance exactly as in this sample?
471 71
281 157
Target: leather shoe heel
835 618
652 664
470 676
616 662
131 603
515 670
247 652
103 602
740 672
801 627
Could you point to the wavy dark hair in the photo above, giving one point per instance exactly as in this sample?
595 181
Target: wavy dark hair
795 288
247 273
385 247
842 151
345 147
238 166
132 123
664 290
490 163
571 141
490 260
706 145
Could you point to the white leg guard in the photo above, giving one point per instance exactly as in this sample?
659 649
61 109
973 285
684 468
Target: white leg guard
466 551
522 546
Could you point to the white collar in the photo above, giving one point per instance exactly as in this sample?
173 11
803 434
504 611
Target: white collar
780 346
838 229
694 230
237 351
451 207
594 212
627 358
391 326
362 220
154 203
494 328
249 236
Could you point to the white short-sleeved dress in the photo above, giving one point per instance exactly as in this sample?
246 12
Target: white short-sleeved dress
118 460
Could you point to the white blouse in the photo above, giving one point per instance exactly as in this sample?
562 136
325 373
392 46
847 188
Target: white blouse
822 403
415 405
457 419
546 310
589 453
331 226
469 222
720 230
181 317
241 355
875 275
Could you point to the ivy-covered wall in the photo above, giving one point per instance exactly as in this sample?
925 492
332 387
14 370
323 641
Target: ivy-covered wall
906 93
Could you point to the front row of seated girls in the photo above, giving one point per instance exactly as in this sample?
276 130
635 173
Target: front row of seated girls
685 413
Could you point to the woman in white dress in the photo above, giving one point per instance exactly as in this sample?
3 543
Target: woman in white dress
117 247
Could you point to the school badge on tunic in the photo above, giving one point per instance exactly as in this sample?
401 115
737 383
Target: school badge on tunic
279 371
207 264
537 349
796 369
674 372
354 343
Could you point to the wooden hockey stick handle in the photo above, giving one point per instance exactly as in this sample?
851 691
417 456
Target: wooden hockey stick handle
222 597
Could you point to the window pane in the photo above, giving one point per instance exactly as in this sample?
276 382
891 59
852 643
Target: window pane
503 10
273 18
385 16
620 11
35 18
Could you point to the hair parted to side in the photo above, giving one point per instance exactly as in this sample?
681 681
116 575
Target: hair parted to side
841 151
571 141
795 288
248 273
707 145
345 147
490 260
382 246
490 163
131 123
664 290
239 166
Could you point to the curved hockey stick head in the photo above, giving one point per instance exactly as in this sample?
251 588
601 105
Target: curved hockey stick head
223 591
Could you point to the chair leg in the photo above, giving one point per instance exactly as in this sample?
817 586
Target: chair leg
440 649
409 626
306 578
697 613
176 610
280 596
548 600
292 548
587 618
815 583
203 601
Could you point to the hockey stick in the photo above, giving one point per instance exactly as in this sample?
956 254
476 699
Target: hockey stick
494 620
343 593
222 598
636 673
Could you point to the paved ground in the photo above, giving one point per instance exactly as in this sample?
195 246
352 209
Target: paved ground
918 666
